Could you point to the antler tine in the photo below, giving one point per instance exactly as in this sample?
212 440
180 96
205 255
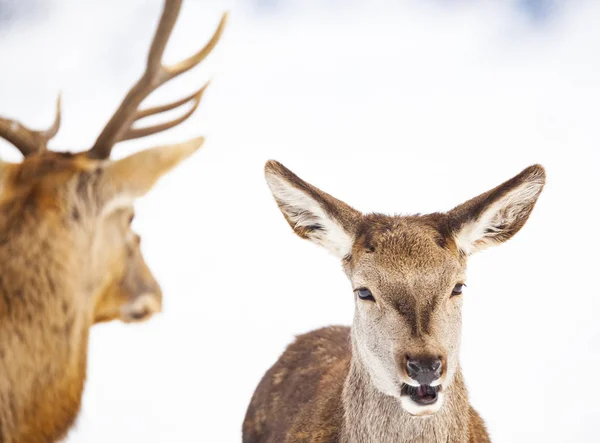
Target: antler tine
194 60
49 133
18 135
26 140
163 108
119 127
161 37
125 114
149 130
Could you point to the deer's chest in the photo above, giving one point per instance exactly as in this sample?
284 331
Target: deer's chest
385 422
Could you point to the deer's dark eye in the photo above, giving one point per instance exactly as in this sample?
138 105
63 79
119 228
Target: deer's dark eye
457 289
365 294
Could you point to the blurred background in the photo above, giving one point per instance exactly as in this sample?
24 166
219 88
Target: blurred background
392 106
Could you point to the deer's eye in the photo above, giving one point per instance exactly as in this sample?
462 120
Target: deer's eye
458 289
365 294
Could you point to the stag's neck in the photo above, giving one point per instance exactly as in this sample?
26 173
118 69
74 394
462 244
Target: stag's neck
370 415
43 342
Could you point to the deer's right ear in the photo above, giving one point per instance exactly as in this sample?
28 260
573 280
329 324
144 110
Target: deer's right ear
312 213
133 176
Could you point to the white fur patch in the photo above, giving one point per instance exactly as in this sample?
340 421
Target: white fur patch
382 379
118 202
142 308
478 234
304 211
421 411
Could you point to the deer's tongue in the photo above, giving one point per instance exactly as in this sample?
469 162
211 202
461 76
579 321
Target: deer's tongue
424 394
424 391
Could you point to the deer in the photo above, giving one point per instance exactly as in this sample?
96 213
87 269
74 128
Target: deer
394 375
69 258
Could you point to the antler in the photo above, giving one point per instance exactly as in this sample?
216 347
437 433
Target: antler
120 126
26 140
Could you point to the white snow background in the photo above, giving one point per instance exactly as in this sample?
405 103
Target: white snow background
397 107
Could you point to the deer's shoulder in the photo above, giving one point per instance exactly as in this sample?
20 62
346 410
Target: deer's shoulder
298 399
477 430
319 347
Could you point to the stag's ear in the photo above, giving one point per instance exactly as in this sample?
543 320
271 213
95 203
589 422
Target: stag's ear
312 213
134 176
495 216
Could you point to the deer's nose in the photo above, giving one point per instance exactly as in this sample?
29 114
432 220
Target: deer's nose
424 370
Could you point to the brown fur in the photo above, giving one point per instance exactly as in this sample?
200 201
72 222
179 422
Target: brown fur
68 256
340 385
68 259
319 362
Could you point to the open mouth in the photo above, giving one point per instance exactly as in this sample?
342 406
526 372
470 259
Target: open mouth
423 394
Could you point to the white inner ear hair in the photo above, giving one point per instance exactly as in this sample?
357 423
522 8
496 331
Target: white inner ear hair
488 229
118 202
308 216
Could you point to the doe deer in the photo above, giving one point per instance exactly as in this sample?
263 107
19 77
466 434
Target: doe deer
394 376
68 255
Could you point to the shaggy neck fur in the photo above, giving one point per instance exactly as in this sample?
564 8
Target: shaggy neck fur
370 415
43 332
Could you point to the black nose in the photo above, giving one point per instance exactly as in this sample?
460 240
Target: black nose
424 370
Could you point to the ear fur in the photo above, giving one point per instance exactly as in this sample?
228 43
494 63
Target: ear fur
312 213
495 216
133 176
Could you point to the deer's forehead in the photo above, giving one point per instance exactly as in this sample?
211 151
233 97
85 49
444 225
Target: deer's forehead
402 243
50 183
52 167
405 258
403 275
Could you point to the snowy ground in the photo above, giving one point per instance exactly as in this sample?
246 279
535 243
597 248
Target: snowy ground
408 108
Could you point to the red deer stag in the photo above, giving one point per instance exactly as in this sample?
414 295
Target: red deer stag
68 256
395 375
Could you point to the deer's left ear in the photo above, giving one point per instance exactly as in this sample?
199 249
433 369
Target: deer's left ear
495 216
133 176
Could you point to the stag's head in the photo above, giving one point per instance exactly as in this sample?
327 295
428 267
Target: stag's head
84 202
407 274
